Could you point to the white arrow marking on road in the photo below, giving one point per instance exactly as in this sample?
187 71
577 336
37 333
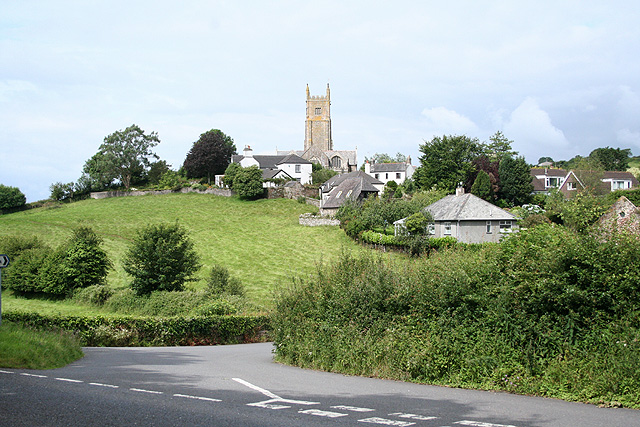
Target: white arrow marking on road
320 413
412 416
274 397
386 422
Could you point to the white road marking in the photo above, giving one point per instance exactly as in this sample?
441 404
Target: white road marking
481 424
33 375
69 380
256 388
141 390
386 422
208 399
6 372
352 408
320 413
412 416
268 404
104 385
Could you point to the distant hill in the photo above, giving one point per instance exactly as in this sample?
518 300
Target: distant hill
260 242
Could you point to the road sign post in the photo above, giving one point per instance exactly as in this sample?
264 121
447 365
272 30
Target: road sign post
4 262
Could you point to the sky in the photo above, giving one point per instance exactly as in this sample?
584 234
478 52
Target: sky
558 78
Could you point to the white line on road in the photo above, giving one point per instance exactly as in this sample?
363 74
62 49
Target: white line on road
141 390
6 372
69 380
104 385
320 413
386 422
33 375
269 404
352 408
208 399
256 388
412 416
481 424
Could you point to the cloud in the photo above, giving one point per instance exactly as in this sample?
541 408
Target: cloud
441 121
532 131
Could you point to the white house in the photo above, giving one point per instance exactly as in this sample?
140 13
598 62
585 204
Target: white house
289 166
467 218
385 172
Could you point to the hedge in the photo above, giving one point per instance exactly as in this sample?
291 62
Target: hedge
128 331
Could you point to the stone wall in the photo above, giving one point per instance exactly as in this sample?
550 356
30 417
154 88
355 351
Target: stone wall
108 194
310 220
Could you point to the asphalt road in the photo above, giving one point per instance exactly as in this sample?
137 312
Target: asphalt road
240 385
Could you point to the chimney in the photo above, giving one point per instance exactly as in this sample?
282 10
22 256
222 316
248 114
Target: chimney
248 152
460 190
367 167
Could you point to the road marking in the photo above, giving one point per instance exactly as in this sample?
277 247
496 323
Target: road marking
412 416
141 390
268 404
386 422
104 385
256 388
481 424
69 380
208 399
33 375
352 408
320 413
6 372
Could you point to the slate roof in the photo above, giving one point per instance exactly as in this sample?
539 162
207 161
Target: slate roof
368 182
273 173
271 161
388 167
466 207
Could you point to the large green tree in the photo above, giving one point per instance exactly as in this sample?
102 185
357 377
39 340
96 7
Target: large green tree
482 186
248 183
161 258
499 146
612 159
210 155
515 181
446 161
123 155
11 197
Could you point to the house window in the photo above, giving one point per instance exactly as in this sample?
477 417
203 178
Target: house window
397 175
336 162
447 228
298 168
348 194
505 226
552 181
619 185
431 228
318 110
488 227
386 176
377 176
339 194
571 186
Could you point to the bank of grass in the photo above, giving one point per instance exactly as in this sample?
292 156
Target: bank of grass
24 348
260 242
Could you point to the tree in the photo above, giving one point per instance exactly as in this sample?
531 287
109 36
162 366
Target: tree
446 161
161 258
248 183
123 155
11 198
612 159
60 191
482 186
545 159
320 175
499 147
515 181
384 158
210 155
85 263
589 171
230 174
157 170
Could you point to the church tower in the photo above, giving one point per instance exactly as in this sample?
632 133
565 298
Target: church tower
317 132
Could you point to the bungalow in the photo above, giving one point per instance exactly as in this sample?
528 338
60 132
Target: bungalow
568 183
467 218
289 166
347 186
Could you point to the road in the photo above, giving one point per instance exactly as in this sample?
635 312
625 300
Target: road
240 385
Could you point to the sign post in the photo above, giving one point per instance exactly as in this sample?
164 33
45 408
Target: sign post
4 262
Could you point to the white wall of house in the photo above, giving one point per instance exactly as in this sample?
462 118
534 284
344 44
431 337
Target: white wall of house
398 176
300 172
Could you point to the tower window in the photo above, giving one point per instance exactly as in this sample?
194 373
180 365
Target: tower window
336 162
318 110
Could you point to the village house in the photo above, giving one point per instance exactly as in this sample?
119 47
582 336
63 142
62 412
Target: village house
386 172
467 218
288 166
567 182
347 186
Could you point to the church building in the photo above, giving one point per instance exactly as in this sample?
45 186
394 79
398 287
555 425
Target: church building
318 141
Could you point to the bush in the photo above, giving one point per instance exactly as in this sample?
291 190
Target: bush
96 295
247 183
11 198
161 258
221 283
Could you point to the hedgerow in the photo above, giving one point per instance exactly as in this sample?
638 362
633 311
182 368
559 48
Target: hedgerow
148 331
548 312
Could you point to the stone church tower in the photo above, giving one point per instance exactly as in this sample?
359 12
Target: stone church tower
317 129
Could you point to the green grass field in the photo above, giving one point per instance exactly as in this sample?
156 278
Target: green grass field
260 242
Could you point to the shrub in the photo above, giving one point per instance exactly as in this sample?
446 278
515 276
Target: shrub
221 283
247 183
161 257
11 198
96 295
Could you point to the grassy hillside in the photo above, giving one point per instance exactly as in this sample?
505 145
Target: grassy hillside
260 242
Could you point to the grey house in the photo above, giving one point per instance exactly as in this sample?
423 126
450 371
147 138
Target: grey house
467 218
347 186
